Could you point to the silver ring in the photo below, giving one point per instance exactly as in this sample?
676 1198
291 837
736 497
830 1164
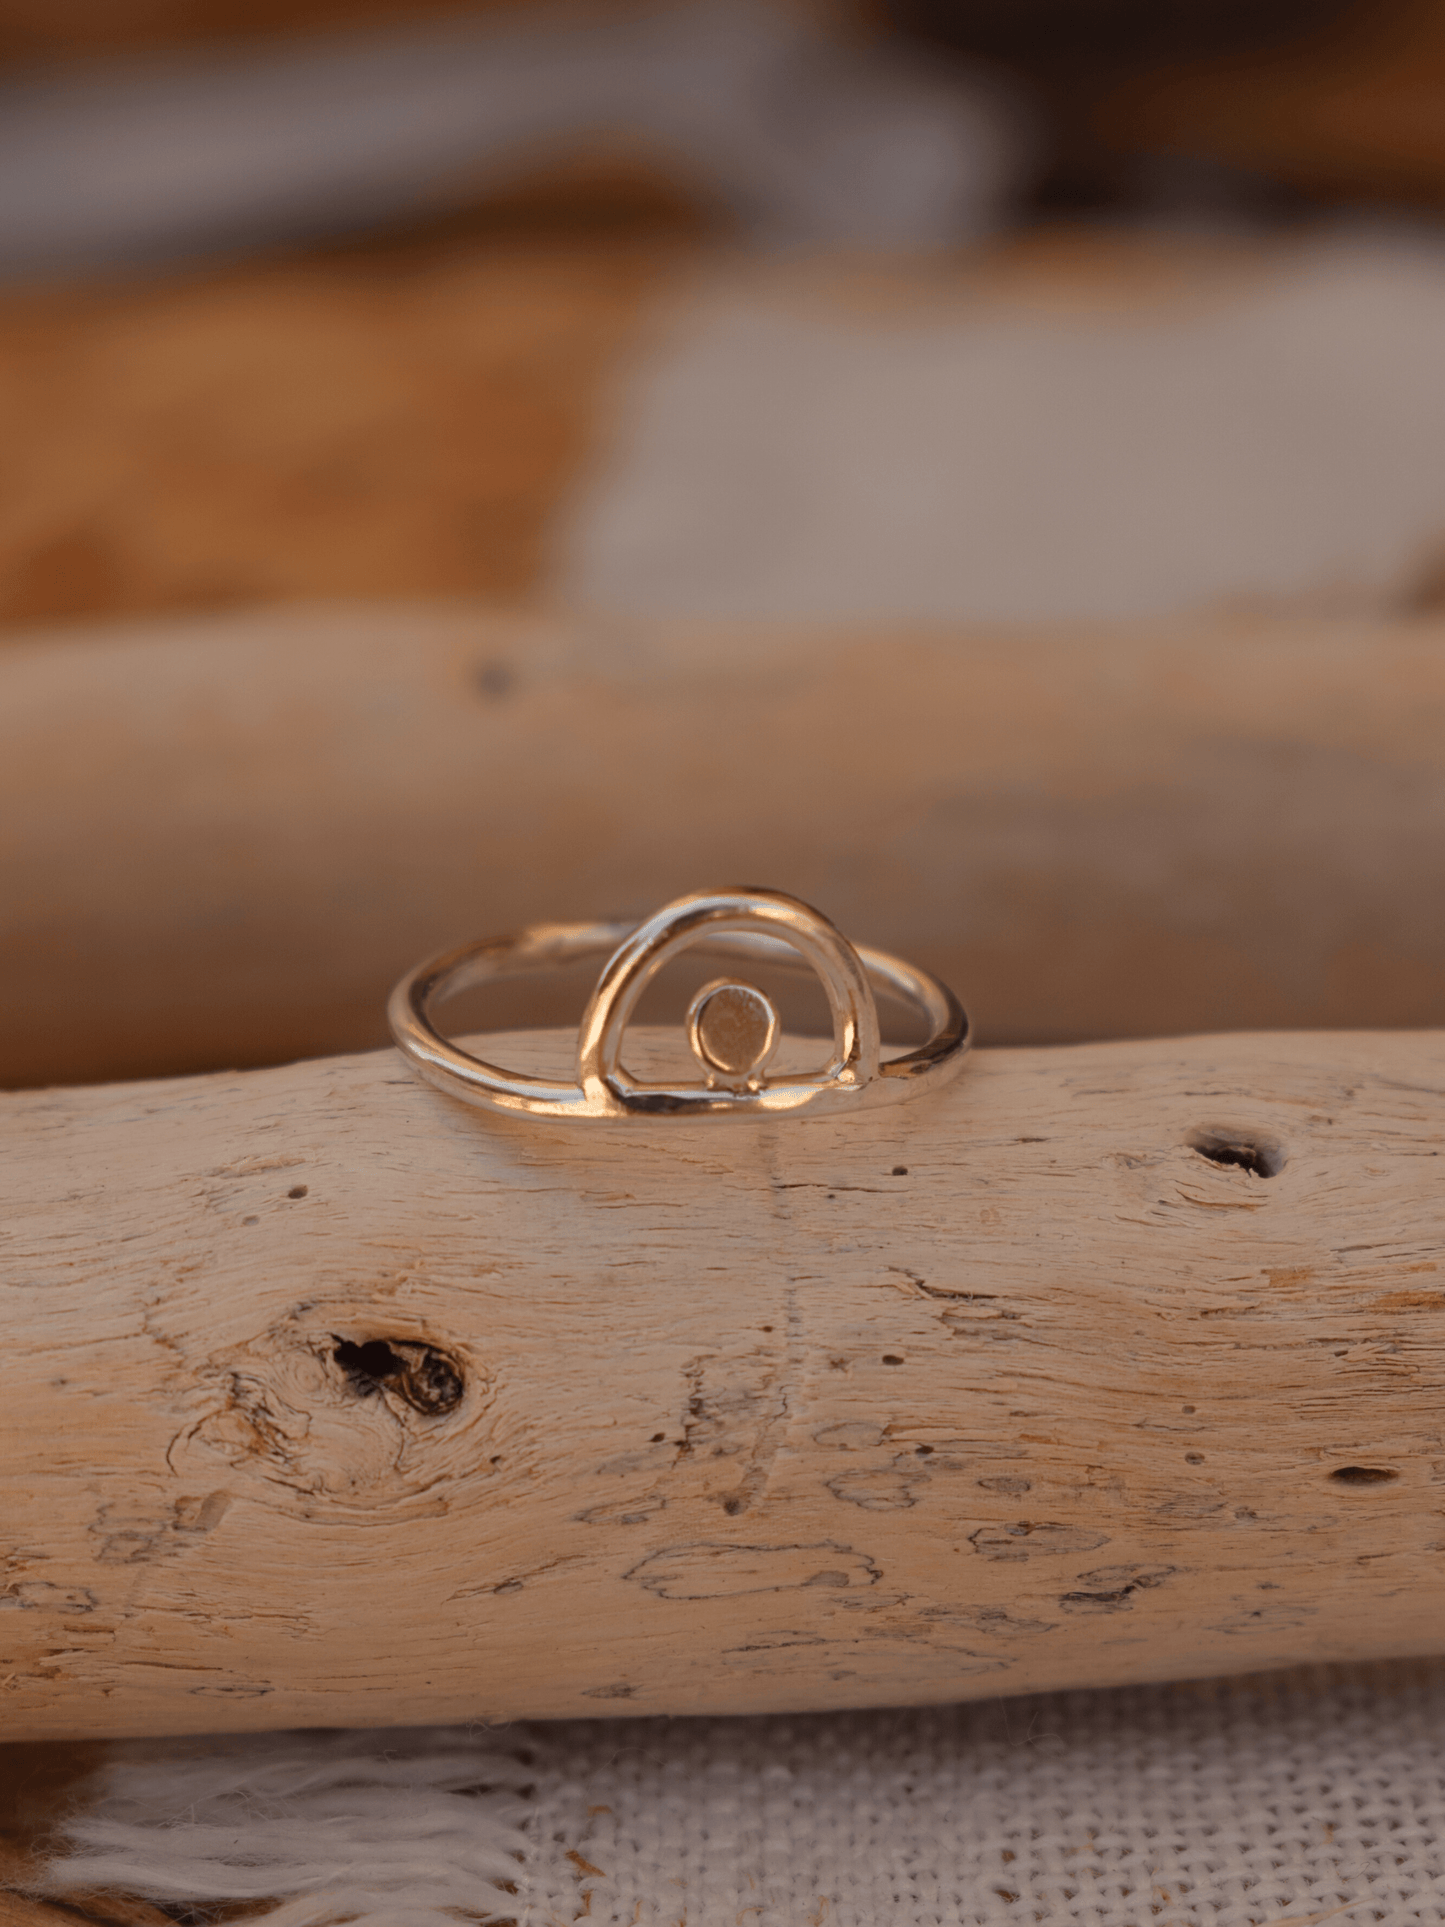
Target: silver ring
732 1027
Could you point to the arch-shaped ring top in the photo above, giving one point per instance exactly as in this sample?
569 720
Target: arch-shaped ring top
749 922
690 920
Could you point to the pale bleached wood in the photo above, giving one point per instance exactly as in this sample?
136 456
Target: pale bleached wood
221 841
1007 1389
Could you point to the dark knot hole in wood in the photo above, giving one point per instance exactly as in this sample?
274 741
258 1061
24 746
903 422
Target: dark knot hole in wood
428 1379
1364 1474
1246 1149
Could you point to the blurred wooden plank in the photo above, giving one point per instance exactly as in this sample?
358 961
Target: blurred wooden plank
377 420
222 841
406 418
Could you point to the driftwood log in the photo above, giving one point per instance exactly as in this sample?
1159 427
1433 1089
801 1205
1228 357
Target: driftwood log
327 1400
221 842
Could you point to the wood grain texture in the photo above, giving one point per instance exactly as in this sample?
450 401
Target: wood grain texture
222 841
329 1401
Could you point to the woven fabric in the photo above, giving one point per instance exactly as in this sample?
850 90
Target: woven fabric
1220 1806
1249 1804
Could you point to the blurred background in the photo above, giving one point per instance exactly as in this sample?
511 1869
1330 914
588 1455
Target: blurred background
337 297
751 312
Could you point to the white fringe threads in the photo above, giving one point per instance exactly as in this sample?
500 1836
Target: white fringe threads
404 1829
1311 1796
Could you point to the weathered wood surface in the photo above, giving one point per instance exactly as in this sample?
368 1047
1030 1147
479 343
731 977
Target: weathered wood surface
222 841
327 1400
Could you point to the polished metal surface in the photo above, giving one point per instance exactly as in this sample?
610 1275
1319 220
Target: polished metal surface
733 1030
732 1027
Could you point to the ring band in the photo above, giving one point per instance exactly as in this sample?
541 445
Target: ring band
732 1027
